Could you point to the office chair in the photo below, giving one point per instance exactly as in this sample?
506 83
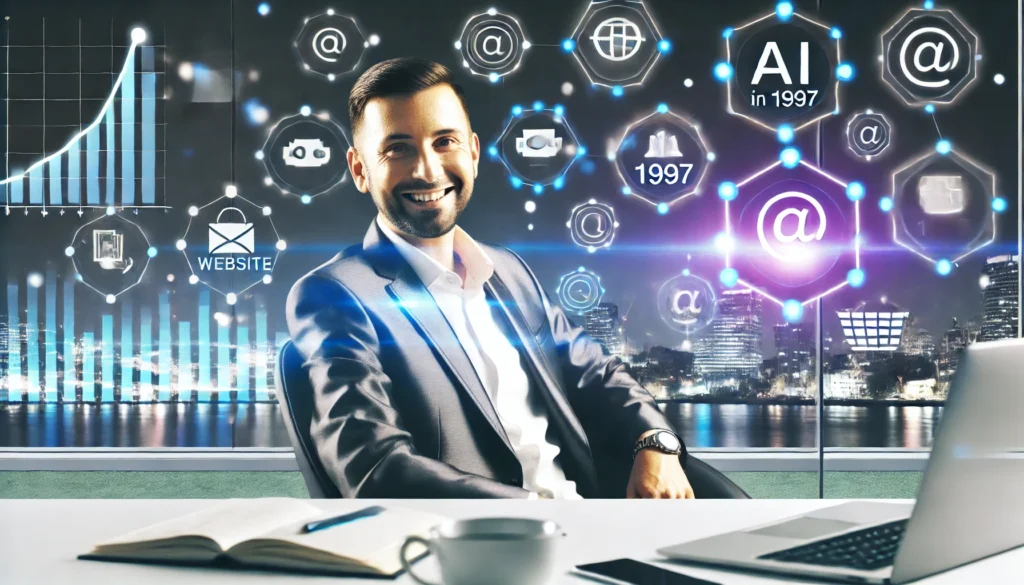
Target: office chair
295 396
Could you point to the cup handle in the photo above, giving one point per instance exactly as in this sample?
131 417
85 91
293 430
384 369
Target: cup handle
405 561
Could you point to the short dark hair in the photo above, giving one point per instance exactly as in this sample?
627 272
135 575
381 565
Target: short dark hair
402 76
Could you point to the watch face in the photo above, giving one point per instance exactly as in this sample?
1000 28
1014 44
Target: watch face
669 441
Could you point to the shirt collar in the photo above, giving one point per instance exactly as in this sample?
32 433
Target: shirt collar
479 267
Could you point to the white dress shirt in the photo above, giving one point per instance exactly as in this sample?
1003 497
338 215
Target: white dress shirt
496 361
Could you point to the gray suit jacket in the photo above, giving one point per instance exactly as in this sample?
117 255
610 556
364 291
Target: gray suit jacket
399 409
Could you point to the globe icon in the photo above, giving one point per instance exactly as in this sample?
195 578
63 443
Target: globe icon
617 38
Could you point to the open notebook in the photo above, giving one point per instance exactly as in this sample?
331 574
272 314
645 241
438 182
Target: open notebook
267 533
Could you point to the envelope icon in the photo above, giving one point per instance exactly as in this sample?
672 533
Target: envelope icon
232 238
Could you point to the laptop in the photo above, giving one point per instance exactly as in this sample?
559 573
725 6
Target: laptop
969 505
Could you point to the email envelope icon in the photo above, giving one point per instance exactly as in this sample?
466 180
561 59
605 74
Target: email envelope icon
232 238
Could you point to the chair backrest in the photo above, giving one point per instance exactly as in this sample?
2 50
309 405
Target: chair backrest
295 397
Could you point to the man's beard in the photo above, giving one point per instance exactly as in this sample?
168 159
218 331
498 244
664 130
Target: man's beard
426 223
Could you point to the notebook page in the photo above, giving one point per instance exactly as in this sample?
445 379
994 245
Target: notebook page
228 523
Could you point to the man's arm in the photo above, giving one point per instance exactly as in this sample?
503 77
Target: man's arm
359 435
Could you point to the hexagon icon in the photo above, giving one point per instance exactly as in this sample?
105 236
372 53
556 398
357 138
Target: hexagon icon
943 206
304 154
537 146
792 233
330 44
781 70
929 56
617 43
662 159
492 44
110 254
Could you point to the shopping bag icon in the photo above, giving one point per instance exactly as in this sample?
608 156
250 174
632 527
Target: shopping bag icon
232 238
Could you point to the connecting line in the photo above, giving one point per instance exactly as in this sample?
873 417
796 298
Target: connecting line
936 121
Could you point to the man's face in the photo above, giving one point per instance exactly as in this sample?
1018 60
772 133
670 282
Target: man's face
417 157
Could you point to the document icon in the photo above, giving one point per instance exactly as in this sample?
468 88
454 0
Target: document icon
942 194
232 238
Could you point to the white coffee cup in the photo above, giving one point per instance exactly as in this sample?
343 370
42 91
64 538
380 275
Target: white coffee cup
495 551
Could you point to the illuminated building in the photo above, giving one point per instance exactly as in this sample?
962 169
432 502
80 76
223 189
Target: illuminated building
732 347
794 345
602 323
954 342
999 298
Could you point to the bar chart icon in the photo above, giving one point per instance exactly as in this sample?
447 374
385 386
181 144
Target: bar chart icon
113 157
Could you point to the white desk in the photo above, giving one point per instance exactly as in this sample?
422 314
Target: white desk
39 539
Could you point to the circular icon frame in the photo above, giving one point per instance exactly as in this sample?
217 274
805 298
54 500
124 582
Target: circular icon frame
475 51
537 143
856 141
110 264
579 277
589 239
693 318
327 181
331 67
646 51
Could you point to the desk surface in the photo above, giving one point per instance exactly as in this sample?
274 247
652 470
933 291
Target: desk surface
39 539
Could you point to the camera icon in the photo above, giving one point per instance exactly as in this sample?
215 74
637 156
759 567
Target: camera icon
306 153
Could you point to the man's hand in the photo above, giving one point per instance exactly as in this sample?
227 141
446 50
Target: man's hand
658 475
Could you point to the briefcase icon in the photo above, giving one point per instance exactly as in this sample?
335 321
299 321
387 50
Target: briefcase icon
232 238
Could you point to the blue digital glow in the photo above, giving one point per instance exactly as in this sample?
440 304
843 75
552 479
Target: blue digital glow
559 110
557 183
845 72
664 45
494 77
151 252
943 146
587 167
255 112
69 251
855 277
662 108
728 191
517 110
306 199
516 182
886 204
581 151
711 157
792 311
538 189
568 45
729 277
305 110
855 191
111 211
929 108
492 150
836 33
663 208
538 106
627 191
784 10
943 267
263 9
999 205
785 133
686 272
929 4
790 157
723 71
617 91
727 32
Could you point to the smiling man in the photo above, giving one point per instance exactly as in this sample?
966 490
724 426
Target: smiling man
440 367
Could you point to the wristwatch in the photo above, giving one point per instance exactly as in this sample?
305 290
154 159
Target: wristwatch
663 440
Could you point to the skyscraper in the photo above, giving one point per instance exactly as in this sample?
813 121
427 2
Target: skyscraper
602 323
954 341
1000 298
794 345
732 347
917 341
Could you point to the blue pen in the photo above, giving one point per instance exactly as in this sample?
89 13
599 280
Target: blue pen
343 519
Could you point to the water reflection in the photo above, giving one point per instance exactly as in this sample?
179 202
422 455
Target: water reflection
260 425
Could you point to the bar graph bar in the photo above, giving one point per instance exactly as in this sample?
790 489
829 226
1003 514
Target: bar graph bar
185 382
204 384
164 387
223 361
130 177
50 335
88 367
68 333
32 339
261 356
14 376
146 355
127 353
242 364
107 355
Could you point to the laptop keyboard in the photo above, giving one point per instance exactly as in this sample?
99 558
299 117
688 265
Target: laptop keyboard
866 549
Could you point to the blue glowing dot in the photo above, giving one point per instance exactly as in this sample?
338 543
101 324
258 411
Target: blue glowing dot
568 45
723 71
494 77
784 10
686 272
538 106
663 208
627 191
151 252
999 205
538 189
728 191
711 157
305 110
617 90
557 183
836 33
943 146
587 167
69 251
943 267
845 72
929 4
790 157
929 108
263 9
727 32
559 110
664 45
517 110
855 278
79 278
306 199
729 277
792 311
493 151
581 151
886 204
581 269
855 191
110 211
785 133
662 108
516 182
